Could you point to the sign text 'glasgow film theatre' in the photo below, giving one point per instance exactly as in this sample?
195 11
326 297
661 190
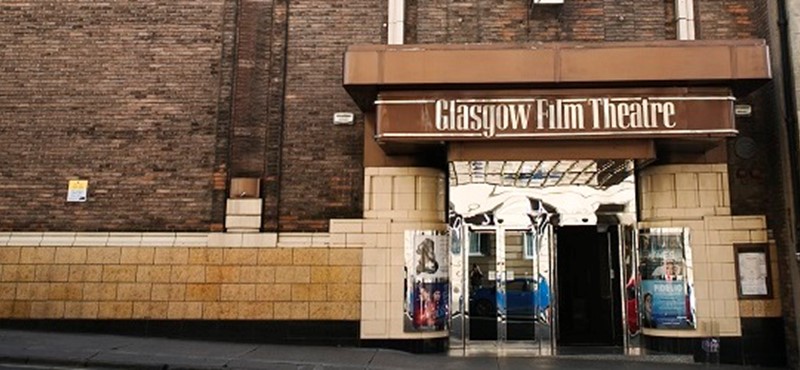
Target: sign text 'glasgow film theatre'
548 116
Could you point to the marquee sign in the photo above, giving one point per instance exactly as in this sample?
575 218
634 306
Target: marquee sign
527 115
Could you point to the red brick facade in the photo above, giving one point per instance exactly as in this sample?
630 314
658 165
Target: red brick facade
514 21
125 95
157 104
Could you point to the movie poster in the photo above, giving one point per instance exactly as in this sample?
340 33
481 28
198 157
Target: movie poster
427 281
666 299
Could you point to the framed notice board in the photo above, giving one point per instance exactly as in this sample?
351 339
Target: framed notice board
753 276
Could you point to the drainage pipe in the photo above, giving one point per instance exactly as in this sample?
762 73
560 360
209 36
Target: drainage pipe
395 22
684 14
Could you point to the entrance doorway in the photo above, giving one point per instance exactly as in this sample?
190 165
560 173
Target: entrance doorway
589 299
541 255
508 289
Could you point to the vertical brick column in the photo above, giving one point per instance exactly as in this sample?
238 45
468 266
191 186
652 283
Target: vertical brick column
224 112
248 137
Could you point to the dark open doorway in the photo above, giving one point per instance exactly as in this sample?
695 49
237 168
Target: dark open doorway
589 311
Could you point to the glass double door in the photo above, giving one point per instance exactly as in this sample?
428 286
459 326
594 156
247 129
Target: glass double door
507 288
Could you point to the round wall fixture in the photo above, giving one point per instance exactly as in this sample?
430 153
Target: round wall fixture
745 147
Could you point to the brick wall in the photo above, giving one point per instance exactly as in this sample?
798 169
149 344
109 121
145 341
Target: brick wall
443 21
321 164
793 8
449 21
138 282
139 99
124 94
670 23
728 19
775 180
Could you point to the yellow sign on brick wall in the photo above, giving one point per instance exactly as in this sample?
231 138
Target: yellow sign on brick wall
77 190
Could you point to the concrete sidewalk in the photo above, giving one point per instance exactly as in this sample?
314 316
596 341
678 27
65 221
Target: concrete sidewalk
111 351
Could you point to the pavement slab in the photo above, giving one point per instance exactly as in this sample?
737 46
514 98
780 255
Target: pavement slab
97 351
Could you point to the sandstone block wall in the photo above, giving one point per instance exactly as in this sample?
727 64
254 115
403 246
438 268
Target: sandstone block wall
697 197
170 276
398 199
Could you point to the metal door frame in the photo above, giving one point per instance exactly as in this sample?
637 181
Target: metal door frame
460 342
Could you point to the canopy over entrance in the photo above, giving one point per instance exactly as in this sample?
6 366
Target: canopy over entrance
605 100
738 64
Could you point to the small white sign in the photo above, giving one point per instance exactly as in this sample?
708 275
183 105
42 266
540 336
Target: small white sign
743 110
343 118
77 190
753 274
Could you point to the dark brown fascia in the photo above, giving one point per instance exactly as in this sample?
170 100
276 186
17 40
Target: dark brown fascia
742 65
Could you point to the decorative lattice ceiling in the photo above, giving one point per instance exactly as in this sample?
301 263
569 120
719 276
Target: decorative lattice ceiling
541 174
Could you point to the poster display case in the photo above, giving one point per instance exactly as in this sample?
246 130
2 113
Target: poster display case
427 281
666 298
752 271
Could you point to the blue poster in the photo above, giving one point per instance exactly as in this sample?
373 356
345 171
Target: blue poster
665 304
666 288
